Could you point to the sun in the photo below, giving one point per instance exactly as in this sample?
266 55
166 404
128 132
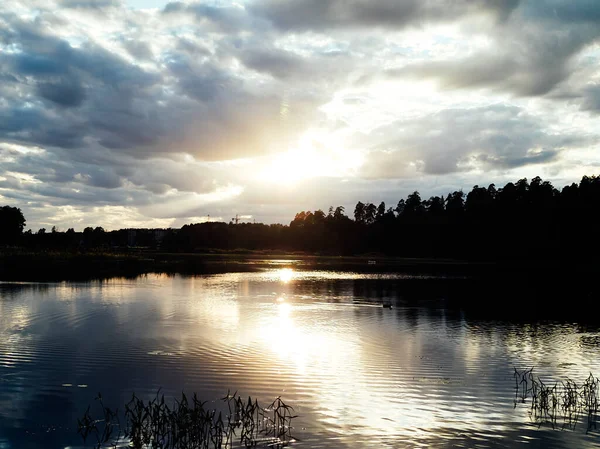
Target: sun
317 154
290 167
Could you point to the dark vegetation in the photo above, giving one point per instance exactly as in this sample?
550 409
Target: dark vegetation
189 424
566 401
520 220
12 223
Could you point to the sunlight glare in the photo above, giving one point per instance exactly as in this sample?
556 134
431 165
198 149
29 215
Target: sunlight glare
285 275
317 154
284 311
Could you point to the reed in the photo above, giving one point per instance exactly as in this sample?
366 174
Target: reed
566 401
189 424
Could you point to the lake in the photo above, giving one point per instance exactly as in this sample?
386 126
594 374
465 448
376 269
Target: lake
421 374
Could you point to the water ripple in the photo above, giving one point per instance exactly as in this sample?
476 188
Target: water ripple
417 375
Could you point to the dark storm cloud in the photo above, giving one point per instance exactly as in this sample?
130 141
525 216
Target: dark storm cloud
530 55
65 92
454 140
37 64
320 15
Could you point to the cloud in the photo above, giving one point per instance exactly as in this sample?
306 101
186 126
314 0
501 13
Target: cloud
278 63
197 107
224 19
591 98
322 70
496 137
89 4
317 15
575 11
113 131
64 92
530 54
138 49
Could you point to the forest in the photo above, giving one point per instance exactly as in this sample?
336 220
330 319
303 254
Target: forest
520 220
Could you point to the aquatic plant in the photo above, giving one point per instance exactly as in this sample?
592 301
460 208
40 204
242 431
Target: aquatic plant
522 381
566 400
189 424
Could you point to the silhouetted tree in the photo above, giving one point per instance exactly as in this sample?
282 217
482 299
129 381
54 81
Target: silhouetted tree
400 207
298 220
380 211
479 202
339 213
319 216
455 203
526 219
435 205
413 204
359 212
12 223
370 213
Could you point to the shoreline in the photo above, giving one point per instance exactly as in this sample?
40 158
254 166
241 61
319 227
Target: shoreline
497 291
65 266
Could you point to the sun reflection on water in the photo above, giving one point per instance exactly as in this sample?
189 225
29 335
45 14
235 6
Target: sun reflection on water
358 373
285 274
301 344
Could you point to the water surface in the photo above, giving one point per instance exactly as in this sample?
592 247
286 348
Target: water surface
422 374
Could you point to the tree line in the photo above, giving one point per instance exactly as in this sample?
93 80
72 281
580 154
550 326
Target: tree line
525 219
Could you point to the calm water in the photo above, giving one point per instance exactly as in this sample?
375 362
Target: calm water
359 375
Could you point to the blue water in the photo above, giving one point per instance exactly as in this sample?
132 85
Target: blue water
359 375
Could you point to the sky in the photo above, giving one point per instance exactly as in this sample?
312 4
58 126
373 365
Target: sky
148 113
